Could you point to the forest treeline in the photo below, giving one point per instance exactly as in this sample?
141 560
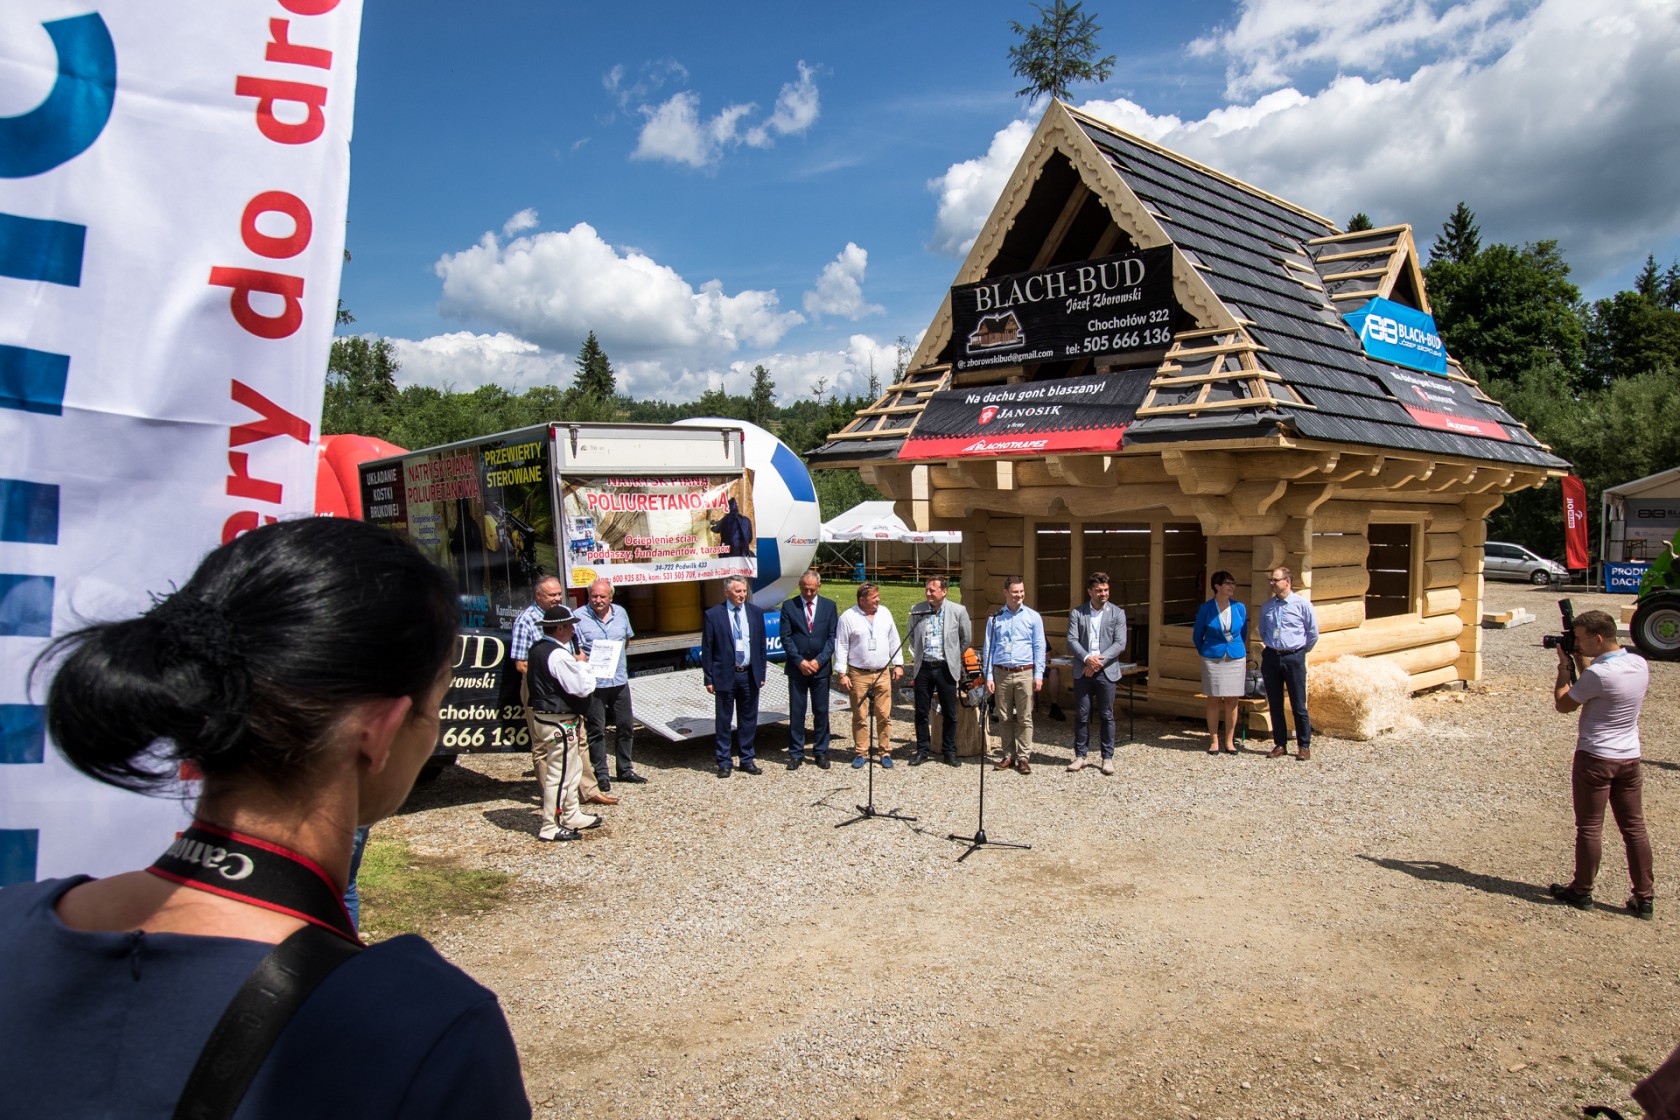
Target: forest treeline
1598 381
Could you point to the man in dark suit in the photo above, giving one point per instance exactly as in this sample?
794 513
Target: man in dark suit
808 625
732 657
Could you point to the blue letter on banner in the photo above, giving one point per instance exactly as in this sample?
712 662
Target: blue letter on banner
74 114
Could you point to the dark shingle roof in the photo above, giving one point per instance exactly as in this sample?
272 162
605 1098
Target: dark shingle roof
1287 277
1241 238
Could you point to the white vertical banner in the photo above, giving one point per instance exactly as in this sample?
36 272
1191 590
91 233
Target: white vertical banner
172 207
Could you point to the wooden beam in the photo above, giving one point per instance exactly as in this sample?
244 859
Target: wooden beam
1082 470
1201 472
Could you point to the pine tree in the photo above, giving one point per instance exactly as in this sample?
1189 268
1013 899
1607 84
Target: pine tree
1460 238
763 396
1057 51
1360 221
594 372
1649 282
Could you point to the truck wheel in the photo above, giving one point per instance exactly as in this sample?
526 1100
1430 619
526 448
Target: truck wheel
1539 577
1656 628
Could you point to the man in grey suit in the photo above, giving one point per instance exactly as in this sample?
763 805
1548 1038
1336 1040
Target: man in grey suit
1096 638
939 632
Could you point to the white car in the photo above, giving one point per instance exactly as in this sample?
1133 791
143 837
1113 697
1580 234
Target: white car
1512 561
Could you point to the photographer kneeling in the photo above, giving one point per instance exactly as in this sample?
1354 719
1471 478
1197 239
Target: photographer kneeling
1609 694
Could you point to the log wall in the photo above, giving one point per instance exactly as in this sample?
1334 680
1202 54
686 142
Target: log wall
1312 515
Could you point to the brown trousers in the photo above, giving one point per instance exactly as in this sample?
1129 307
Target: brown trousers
1621 783
862 681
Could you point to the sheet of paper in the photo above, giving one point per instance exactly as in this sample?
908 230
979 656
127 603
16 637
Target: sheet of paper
603 658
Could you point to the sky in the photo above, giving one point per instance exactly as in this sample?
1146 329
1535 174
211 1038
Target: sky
711 187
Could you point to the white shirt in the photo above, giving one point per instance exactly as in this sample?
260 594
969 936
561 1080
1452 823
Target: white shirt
1611 693
866 642
574 676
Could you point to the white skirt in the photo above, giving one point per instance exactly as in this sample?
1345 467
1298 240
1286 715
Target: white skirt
1224 676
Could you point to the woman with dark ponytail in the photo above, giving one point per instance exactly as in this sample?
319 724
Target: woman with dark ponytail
299 673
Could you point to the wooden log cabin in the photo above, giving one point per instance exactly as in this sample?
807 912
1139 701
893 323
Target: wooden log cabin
1195 382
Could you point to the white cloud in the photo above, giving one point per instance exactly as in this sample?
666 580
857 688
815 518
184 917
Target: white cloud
520 222
839 289
796 110
650 77
675 131
555 287
462 361
842 372
1550 119
1274 42
968 190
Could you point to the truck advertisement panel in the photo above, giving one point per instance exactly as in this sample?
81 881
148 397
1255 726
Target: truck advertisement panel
481 510
658 529
482 710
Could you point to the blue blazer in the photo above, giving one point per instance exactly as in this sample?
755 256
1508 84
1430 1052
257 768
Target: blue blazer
1210 639
801 643
717 648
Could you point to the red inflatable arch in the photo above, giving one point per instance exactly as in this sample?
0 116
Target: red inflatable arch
338 491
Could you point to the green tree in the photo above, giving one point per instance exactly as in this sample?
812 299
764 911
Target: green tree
361 387
1503 310
763 399
594 372
1360 221
1632 333
1460 238
1057 51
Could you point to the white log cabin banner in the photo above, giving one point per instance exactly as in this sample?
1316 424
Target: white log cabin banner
172 207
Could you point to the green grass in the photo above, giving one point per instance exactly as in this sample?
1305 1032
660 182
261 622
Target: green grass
896 597
403 892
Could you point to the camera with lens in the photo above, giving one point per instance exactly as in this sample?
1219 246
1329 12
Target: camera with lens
1566 640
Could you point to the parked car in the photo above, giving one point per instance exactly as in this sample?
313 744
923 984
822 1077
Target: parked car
1512 561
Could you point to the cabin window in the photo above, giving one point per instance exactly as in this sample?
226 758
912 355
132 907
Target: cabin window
1053 551
1390 562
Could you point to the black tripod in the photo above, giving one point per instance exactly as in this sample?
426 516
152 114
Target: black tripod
867 811
979 839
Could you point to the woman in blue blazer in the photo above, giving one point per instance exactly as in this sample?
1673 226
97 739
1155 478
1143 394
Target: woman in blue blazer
1218 634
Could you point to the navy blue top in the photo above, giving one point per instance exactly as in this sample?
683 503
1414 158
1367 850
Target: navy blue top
1210 639
110 1024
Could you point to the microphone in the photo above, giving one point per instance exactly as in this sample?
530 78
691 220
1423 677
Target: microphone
922 609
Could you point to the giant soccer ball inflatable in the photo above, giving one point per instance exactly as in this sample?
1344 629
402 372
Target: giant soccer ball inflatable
785 509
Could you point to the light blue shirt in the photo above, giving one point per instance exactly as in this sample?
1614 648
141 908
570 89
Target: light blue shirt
1288 624
527 629
616 628
1016 638
933 636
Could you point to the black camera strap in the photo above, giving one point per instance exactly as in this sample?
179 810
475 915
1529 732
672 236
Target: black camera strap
262 874
258 872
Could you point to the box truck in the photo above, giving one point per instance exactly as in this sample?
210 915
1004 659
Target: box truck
665 512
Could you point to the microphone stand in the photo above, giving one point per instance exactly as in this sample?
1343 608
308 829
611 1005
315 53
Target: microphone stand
867 811
980 839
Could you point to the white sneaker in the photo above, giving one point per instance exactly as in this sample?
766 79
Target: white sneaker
1108 766
1077 765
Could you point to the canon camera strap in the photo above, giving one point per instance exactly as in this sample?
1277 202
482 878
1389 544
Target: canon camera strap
246 869
263 874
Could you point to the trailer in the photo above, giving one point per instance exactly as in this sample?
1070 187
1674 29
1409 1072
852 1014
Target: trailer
663 512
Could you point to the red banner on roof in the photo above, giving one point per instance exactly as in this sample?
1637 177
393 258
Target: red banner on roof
1071 414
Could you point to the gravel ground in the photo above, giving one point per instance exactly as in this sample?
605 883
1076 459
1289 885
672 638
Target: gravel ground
1364 935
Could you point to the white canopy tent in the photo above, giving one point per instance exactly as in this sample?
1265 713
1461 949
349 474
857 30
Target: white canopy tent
875 522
